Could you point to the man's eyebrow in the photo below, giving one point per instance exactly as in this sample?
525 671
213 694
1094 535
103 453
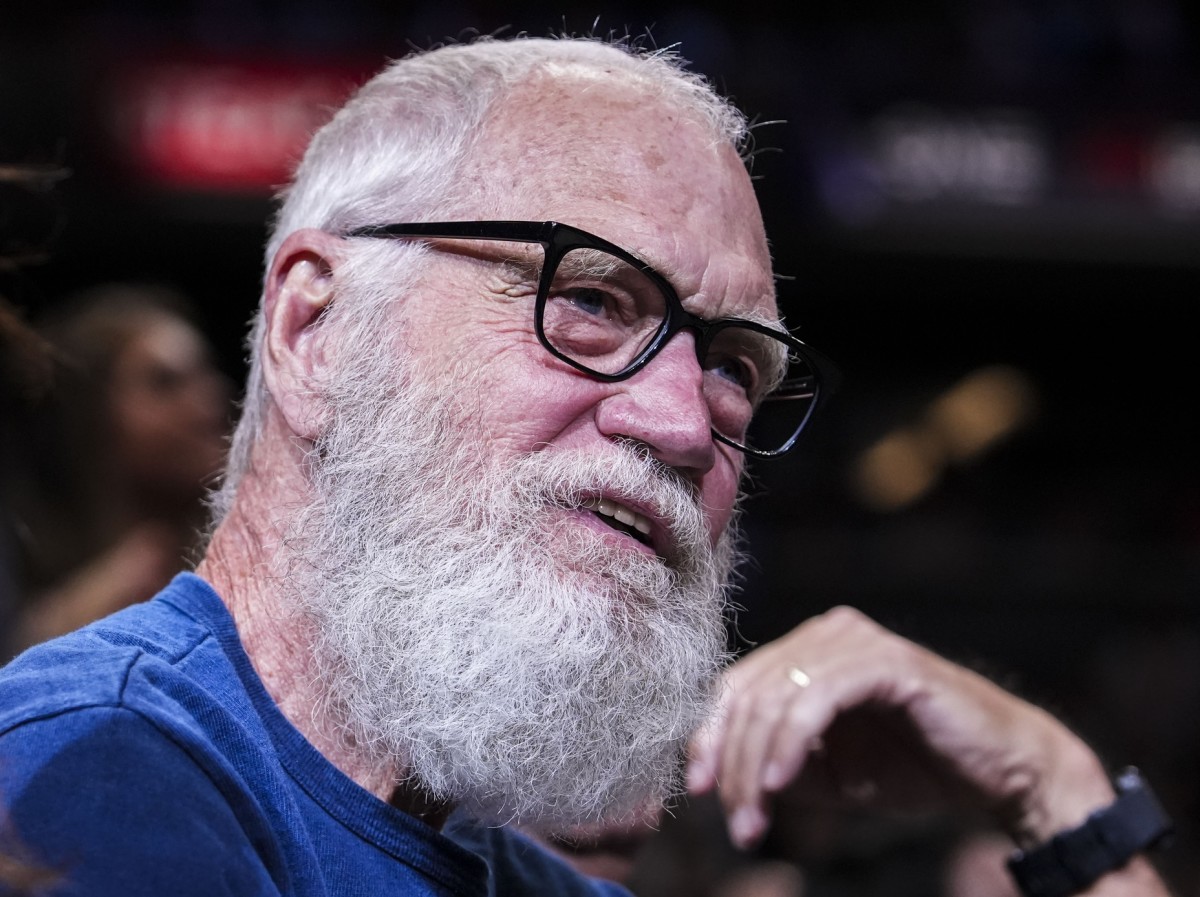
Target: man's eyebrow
751 316
671 275
593 262
526 265
756 316
776 367
522 260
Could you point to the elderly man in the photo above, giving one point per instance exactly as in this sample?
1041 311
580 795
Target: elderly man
472 549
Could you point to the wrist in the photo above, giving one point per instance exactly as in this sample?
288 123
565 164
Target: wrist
1075 858
1060 792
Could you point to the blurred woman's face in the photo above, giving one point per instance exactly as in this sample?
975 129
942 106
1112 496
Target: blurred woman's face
171 410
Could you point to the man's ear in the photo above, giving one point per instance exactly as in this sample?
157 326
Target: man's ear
299 287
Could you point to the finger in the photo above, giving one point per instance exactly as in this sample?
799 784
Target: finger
709 741
780 711
773 715
763 688
750 726
703 752
766 704
798 733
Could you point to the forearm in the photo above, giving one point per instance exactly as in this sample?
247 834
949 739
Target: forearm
1137 879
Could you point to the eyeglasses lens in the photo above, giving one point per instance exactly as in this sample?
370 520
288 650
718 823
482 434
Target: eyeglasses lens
784 411
603 312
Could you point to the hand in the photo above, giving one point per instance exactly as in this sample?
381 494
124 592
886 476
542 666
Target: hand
841 709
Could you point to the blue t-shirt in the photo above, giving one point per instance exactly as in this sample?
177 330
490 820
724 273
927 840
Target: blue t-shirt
142 755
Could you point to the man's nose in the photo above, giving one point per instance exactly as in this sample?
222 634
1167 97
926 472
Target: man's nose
663 407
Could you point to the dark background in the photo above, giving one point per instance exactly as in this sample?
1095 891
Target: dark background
948 186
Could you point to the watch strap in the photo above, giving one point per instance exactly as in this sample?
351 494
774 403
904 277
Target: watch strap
1074 859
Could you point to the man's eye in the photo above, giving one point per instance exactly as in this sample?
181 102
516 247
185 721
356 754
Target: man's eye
732 370
590 300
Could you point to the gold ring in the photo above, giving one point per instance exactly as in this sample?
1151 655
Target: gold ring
799 677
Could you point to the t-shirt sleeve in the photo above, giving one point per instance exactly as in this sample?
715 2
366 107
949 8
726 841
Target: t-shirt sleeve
113 805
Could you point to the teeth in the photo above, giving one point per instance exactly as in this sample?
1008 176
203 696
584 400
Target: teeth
625 516
619 512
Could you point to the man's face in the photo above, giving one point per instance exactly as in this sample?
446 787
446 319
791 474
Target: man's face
633 172
482 627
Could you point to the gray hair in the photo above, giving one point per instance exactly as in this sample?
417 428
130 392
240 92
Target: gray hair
391 154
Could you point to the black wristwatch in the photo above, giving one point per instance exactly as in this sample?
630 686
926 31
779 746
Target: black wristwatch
1074 859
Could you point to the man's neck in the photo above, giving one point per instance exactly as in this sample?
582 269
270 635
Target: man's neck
243 564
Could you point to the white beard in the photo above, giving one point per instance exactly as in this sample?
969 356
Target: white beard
507 660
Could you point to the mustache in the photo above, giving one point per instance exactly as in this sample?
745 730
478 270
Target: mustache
571 478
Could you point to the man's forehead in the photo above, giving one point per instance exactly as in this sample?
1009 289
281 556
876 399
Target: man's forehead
603 133
613 157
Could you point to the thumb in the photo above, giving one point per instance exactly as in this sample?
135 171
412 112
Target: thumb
704 748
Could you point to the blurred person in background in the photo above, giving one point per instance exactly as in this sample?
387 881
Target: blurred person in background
26 374
121 458
27 221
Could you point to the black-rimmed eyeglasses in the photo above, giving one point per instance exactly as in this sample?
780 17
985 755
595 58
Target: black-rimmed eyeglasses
607 313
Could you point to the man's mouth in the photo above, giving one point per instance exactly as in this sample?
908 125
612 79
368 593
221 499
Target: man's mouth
621 518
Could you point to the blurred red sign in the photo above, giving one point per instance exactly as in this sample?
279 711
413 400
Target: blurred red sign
223 125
